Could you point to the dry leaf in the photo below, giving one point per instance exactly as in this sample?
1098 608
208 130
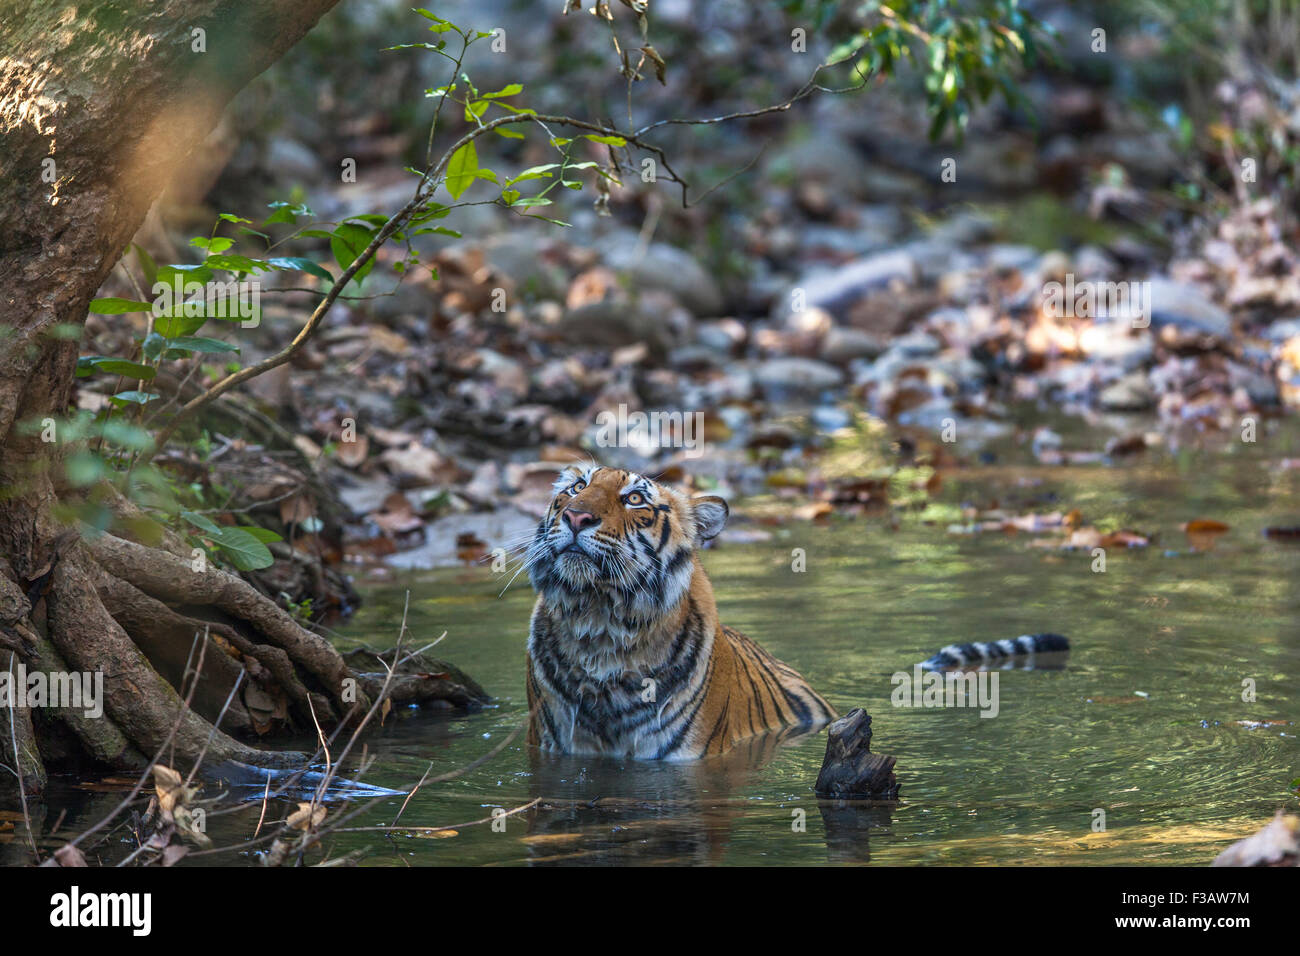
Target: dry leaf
354 453
437 834
1203 533
305 818
170 787
69 855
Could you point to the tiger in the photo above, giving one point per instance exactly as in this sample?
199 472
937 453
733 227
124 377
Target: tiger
626 656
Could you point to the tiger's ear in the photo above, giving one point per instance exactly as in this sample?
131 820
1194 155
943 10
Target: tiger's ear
711 514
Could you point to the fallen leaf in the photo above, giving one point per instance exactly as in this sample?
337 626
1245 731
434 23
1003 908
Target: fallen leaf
469 548
69 855
813 511
354 453
436 834
1203 533
305 818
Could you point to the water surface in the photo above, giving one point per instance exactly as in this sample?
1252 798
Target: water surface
1144 722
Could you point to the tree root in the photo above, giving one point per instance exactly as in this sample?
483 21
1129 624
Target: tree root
162 575
143 705
152 626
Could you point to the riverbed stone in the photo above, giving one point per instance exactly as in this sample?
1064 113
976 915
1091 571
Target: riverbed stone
1132 393
836 290
1187 308
797 375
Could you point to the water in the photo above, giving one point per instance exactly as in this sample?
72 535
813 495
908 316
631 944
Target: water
1142 722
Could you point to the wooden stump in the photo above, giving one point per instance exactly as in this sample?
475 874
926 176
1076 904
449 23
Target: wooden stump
851 771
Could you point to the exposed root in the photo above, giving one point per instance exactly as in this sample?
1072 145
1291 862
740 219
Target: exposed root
18 751
143 705
167 639
166 577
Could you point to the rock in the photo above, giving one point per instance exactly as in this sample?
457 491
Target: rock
1094 263
665 267
1132 393
495 529
1261 389
1185 307
820 157
850 771
1278 844
836 290
797 375
1010 258
829 418
934 414
1282 330
291 161
725 335
610 324
1118 342
916 345
964 228
843 345
529 262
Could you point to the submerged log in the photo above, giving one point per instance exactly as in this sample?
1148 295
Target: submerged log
851 771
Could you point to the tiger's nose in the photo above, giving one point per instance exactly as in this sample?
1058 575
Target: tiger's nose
579 519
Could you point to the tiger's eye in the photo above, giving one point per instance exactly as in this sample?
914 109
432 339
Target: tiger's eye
635 498
577 486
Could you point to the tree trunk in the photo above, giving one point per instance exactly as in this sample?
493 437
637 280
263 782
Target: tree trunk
100 102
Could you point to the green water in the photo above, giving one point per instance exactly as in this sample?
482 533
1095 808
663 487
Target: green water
1141 723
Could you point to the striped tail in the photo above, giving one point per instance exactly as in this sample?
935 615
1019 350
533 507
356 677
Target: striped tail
996 652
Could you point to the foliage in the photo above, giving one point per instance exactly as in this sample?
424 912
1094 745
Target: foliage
965 52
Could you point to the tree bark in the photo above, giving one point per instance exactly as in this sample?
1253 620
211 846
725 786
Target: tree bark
100 102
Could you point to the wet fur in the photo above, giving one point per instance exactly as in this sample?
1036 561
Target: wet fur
626 655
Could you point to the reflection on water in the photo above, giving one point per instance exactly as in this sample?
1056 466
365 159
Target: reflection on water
1143 723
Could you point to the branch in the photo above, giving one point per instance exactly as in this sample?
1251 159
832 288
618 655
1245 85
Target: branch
430 181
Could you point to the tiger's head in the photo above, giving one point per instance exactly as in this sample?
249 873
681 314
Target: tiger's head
616 546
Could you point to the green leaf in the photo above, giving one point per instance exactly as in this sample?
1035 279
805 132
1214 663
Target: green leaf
132 397
533 172
607 140
202 344
186 273
153 346
509 90
265 535
201 522
84 468
115 366
214 245
461 169
242 549
298 264
116 306
178 326
347 242
125 434
234 263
